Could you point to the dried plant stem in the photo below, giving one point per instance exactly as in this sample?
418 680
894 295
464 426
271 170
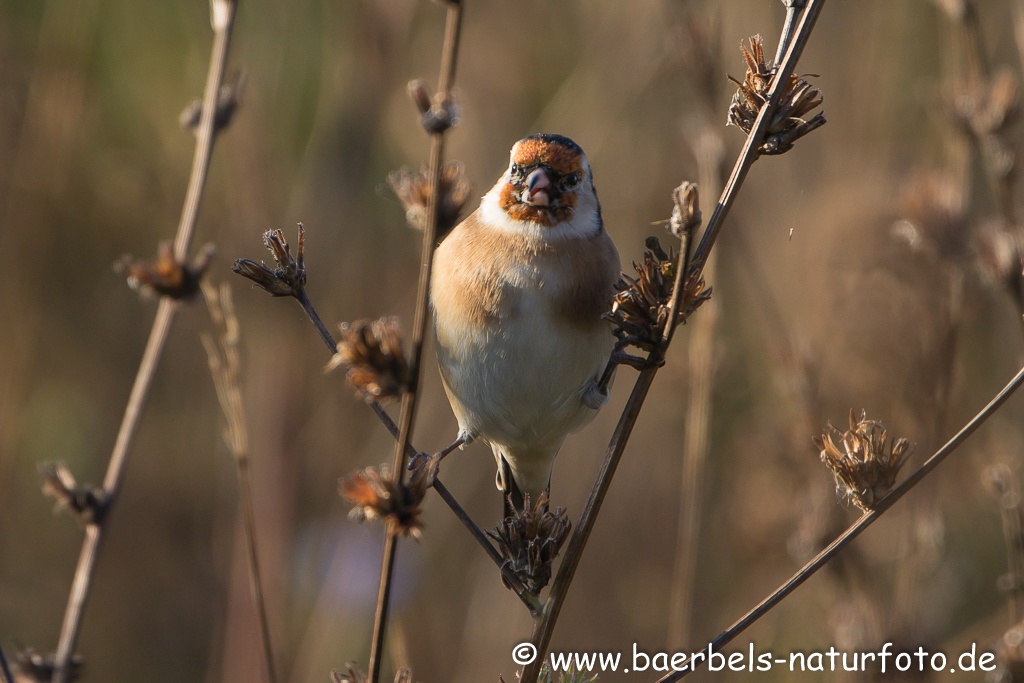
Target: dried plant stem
822 558
696 442
307 306
449 57
545 624
793 10
749 152
529 599
255 576
566 570
5 670
223 13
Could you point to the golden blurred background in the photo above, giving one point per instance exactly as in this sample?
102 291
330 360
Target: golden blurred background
821 304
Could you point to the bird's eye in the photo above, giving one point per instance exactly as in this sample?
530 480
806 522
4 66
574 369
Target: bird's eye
515 168
571 180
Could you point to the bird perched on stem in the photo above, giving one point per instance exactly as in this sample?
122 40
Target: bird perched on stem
518 291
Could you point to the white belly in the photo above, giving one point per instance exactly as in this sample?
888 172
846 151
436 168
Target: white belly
521 384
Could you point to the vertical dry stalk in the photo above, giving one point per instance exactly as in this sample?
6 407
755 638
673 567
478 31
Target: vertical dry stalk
5 670
545 625
449 59
1005 486
225 363
222 18
699 370
866 520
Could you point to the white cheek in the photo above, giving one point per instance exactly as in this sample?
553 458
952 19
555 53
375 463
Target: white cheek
584 222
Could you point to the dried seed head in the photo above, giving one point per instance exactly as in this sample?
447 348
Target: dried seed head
990 106
686 217
1000 252
166 276
413 190
375 494
87 503
33 666
529 542
864 468
570 675
787 124
289 277
1009 651
371 352
355 675
227 104
420 96
956 10
640 307
934 209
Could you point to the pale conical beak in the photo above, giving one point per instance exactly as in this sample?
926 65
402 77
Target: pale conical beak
538 188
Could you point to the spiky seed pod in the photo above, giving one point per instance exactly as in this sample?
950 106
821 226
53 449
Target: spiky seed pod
863 465
787 124
372 354
413 191
289 277
166 275
529 542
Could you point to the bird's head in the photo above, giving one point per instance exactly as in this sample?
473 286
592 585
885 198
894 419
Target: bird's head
547 187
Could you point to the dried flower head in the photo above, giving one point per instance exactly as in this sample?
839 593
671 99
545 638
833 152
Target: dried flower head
1000 252
166 276
1009 651
34 666
956 10
88 503
437 113
934 216
545 675
375 494
686 217
787 124
864 468
413 190
529 542
288 278
371 352
355 675
990 106
227 104
640 308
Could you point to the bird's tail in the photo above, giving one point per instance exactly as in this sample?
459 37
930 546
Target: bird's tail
512 498
522 475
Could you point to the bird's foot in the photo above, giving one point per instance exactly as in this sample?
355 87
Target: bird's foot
461 441
636 362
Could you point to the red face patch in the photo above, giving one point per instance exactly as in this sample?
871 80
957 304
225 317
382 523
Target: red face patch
558 158
542 215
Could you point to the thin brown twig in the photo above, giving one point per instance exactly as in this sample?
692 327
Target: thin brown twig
700 364
449 59
544 627
223 14
866 520
793 10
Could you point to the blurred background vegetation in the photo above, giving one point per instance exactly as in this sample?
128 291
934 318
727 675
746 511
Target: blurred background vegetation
822 305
